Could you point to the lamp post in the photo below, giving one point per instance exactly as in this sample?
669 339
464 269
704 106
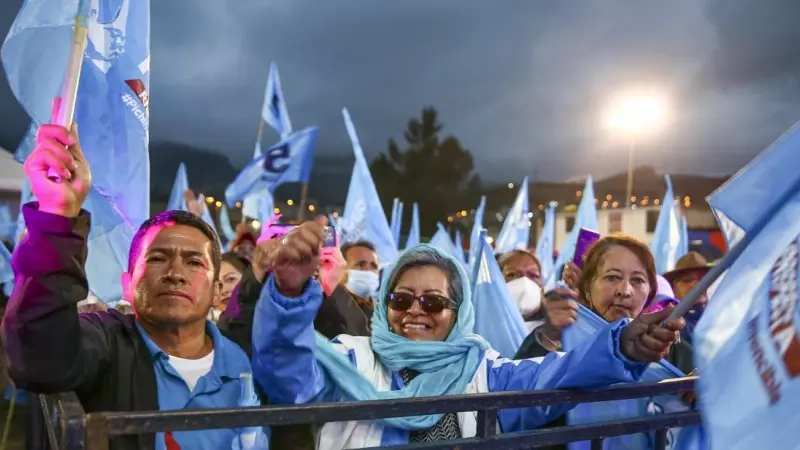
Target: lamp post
635 114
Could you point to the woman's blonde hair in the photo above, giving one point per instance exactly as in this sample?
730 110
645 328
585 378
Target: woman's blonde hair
596 254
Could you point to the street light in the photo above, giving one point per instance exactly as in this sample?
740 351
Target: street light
636 114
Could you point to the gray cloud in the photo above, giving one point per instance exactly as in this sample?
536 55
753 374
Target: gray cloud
523 84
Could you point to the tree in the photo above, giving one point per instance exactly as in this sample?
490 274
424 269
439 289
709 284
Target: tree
435 172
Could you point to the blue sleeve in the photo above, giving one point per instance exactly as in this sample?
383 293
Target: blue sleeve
284 364
597 362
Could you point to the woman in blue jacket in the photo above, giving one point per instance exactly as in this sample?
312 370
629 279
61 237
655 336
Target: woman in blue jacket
422 345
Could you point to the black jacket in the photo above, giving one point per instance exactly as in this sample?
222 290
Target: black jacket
52 348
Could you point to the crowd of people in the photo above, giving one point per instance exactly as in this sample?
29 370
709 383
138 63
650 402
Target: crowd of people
308 323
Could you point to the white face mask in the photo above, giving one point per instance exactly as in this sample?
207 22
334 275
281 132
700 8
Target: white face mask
526 294
362 283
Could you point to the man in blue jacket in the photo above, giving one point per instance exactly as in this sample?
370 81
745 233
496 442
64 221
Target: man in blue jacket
165 357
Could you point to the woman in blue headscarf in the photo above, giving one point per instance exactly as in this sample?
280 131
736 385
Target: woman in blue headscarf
422 345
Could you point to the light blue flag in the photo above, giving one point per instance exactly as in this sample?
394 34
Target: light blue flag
750 326
111 109
225 224
394 219
475 236
252 202
547 242
7 223
288 161
398 226
587 324
274 111
441 240
459 248
363 216
6 272
413 233
206 215
586 217
684 246
179 186
665 245
516 230
497 318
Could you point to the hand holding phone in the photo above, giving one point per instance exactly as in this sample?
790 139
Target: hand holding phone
586 238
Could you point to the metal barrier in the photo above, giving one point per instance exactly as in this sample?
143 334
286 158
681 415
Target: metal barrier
72 429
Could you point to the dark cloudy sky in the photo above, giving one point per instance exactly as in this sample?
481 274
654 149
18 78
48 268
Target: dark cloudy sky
522 83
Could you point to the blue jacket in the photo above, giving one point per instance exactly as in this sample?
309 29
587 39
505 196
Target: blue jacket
285 367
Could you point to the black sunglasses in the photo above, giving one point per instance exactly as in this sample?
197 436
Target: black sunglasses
430 303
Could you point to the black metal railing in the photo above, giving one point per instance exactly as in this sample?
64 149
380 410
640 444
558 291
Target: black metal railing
72 430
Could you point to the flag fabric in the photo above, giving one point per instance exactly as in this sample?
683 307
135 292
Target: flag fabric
363 216
587 324
111 109
497 318
586 217
6 272
206 216
441 240
683 248
393 221
547 241
225 224
266 210
398 226
749 327
666 242
475 235
413 232
7 223
252 202
459 248
288 161
274 111
516 230
179 187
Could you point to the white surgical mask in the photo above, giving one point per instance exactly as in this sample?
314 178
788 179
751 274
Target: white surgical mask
362 283
526 294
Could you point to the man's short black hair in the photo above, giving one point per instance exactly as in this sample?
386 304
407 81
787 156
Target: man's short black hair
357 244
179 218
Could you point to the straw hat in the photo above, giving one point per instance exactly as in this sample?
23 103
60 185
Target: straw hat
690 262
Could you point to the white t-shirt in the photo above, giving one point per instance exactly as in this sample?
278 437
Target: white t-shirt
192 369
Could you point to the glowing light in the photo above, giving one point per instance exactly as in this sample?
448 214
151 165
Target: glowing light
219 204
238 204
530 215
614 205
290 202
489 239
511 185
311 208
209 199
637 112
450 219
255 224
336 214
276 210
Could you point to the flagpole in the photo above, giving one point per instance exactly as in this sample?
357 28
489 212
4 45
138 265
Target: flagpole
69 89
303 199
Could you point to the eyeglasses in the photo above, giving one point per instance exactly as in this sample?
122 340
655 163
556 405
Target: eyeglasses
430 303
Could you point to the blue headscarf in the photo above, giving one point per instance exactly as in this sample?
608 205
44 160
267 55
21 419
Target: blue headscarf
445 367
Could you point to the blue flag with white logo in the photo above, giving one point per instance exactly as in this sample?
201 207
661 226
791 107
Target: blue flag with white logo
516 230
288 161
747 344
274 111
413 233
587 325
363 216
111 111
497 318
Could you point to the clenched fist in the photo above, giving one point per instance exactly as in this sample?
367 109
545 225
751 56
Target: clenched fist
649 337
